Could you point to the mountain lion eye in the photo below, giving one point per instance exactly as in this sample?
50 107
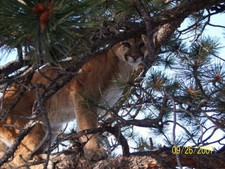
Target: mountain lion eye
141 45
127 44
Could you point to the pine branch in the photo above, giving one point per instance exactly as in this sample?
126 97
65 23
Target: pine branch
12 67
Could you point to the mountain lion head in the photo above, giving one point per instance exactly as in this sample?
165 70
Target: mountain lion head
132 50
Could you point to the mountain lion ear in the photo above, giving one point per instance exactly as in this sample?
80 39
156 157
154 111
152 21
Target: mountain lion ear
144 38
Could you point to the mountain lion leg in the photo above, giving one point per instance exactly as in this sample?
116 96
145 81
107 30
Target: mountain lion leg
87 119
28 145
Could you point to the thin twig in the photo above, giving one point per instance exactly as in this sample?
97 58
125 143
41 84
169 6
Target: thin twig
41 107
174 127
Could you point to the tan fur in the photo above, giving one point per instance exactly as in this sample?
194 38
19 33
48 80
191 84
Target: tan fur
95 80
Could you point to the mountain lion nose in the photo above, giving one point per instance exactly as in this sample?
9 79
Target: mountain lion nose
135 56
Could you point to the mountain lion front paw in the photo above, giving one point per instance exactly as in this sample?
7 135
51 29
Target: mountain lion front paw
95 155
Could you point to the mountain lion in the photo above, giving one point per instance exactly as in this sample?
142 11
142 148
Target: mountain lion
97 78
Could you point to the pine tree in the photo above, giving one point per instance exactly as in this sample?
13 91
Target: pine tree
178 97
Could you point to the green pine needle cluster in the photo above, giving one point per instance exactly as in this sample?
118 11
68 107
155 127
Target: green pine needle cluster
64 32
